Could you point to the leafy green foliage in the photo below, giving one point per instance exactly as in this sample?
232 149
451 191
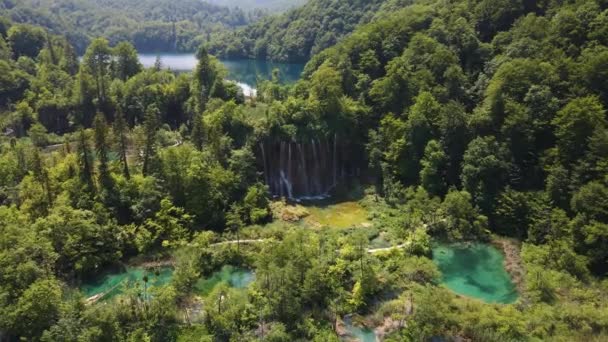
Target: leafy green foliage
271 5
26 40
463 220
150 25
297 34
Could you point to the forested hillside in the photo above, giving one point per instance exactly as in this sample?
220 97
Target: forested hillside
151 25
505 100
271 5
438 123
297 34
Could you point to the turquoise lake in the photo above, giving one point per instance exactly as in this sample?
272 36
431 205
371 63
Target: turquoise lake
361 334
112 284
475 270
357 333
246 71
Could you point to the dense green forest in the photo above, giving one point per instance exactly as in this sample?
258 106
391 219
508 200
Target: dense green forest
151 25
298 34
477 121
271 5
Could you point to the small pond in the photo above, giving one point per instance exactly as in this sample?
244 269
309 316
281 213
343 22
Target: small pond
112 284
356 333
475 270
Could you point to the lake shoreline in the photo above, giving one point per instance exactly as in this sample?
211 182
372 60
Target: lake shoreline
242 70
513 264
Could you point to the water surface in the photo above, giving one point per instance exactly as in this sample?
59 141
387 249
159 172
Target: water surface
112 284
361 334
249 71
245 71
475 270
173 61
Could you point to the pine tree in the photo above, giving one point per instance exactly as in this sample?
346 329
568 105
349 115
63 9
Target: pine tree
234 222
150 127
96 64
84 161
158 64
126 63
42 176
49 46
120 131
101 149
197 135
204 78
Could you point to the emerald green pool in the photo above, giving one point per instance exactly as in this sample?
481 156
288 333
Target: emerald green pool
475 270
362 334
234 276
356 333
112 284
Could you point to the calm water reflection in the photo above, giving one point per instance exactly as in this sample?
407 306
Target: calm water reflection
246 71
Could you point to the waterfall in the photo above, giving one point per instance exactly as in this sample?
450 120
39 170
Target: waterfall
303 170
287 185
335 158
289 174
316 166
322 164
305 179
281 163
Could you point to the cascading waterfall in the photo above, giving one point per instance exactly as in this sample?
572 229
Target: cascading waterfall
289 169
315 166
335 159
302 170
287 184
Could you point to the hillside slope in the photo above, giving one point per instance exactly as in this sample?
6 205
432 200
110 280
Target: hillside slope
151 25
270 5
297 34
